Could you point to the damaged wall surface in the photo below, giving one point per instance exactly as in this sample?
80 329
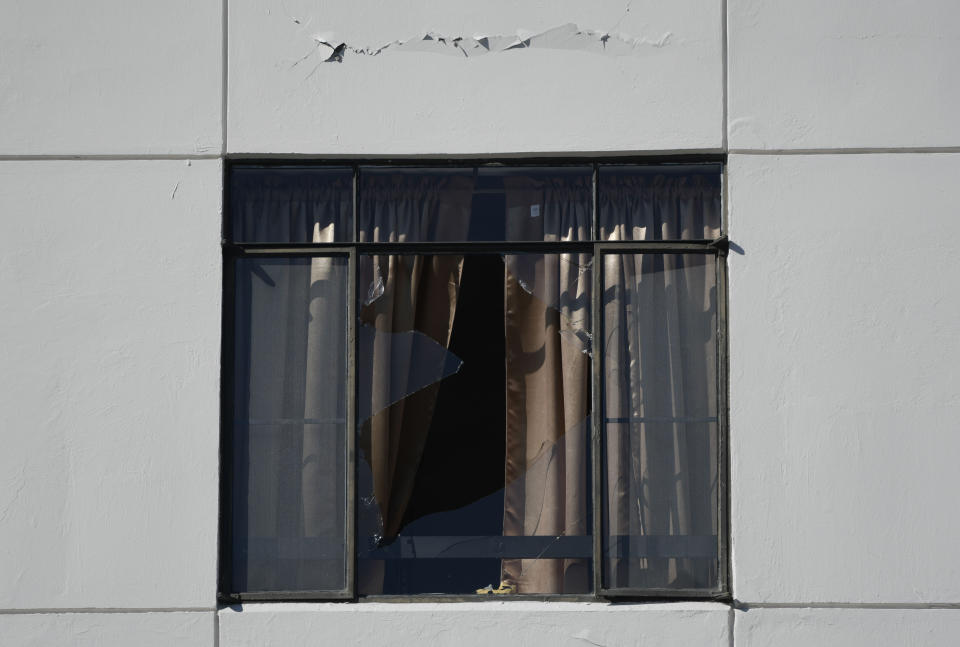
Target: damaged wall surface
838 124
564 37
468 78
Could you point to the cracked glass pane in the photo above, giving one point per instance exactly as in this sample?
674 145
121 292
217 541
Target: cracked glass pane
478 482
659 431
289 417
291 205
406 362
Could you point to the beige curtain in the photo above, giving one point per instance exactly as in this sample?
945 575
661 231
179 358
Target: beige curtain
547 309
420 294
404 297
659 352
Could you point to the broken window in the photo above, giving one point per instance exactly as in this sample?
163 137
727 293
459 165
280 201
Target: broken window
476 380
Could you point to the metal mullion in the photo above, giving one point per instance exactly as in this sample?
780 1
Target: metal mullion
289 596
455 598
226 220
356 205
350 516
478 247
723 428
596 301
310 250
320 596
325 250
595 222
664 593
225 458
657 247
724 202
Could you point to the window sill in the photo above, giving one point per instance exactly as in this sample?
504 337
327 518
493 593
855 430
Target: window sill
514 622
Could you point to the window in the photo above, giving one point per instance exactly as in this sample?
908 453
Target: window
476 379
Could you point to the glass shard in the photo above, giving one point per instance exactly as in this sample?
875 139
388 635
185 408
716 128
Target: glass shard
480 476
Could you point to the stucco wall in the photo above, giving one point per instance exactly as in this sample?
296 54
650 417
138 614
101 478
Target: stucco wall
840 122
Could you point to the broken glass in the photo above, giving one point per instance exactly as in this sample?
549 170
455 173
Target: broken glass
477 478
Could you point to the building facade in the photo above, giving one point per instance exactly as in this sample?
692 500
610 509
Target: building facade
835 122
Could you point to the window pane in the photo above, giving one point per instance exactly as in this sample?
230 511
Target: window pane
290 403
291 205
473 461
660 421
483 204
659 202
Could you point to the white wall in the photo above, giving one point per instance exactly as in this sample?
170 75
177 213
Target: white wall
843 367
562 94
477 624
844 157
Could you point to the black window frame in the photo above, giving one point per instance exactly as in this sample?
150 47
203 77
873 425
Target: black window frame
718 247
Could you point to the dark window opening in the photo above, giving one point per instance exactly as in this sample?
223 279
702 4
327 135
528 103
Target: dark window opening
459 482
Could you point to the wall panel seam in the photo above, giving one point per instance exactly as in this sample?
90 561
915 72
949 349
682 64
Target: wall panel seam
105 610
746 606
843 151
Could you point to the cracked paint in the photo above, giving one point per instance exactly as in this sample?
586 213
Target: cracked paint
563 37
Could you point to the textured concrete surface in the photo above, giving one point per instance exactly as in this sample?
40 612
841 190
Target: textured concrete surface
168 629
843 378
108 77
643 75
110 336
843 73
846 627
532 624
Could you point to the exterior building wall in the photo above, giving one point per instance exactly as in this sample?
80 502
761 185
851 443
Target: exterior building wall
843 147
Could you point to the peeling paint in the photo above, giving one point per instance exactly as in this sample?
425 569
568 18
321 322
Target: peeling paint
563 37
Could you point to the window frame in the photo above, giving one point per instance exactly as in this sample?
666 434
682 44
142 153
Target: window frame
718 247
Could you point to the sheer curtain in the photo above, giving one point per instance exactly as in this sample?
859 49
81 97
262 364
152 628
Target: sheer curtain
547 324
409 304
292 205
659 355
290 401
